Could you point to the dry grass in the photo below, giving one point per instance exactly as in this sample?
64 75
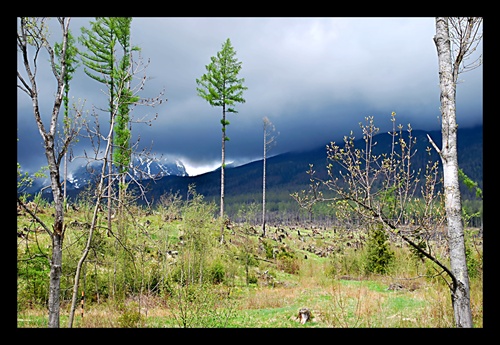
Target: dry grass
335 300
341 304
268 298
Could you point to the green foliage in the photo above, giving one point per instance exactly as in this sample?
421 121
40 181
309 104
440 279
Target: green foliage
252 279
422 244
100 41
123 135
474 262
268 249
217 273
25 180
130 316
346 263
199 235
201 305
170 206
379 256
290 265
32 273
220 86
472 213
71 62
250 259
100 61
287 261
470 184
201 284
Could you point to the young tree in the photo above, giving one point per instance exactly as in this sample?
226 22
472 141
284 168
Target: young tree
33 33
384 188
122 157
99 194
269 140
71 66
220 87
126 98
100 41
123 96
463 34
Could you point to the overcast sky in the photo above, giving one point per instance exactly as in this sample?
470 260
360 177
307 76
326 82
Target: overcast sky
315 79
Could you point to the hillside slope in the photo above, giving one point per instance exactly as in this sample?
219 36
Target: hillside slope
286 173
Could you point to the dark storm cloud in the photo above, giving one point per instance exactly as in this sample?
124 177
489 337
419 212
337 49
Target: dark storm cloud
314 78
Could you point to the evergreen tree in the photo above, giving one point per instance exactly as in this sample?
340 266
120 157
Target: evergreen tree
220 87
379 256
100 41
124 76
101 64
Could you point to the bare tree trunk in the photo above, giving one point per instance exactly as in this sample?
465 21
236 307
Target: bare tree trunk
110 181
31 32
460 295
65 175
93 226
269 139
264 186
222 168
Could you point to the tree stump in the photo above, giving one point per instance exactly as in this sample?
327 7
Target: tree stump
304 315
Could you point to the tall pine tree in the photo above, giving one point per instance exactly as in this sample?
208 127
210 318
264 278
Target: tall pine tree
220 87
101 62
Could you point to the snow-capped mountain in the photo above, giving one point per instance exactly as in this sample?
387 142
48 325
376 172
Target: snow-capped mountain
141 169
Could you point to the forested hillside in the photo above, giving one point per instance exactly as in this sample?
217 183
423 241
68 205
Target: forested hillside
286 173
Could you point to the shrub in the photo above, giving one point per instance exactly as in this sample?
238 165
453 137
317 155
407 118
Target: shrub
287 261
473 263
252 279
130 316
268 248
217 273
379 256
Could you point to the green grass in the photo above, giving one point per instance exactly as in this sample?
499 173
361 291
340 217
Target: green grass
331 286
344 304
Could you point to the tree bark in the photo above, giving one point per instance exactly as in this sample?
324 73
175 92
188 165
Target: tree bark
38 40
222 168
264 183
460 295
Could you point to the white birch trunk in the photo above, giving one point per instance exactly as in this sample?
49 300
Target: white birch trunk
460 290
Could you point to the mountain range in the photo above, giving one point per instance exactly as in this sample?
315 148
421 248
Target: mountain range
82 175
286 173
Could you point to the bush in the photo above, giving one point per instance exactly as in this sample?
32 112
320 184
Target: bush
474 266
130 316
379 256
217 273
287 261
252 279
268 248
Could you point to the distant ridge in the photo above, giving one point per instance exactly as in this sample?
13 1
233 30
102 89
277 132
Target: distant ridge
286 173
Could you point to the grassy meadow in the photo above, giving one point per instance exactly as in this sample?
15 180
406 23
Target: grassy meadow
165 268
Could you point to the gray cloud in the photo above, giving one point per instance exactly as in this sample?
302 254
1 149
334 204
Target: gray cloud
314 78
